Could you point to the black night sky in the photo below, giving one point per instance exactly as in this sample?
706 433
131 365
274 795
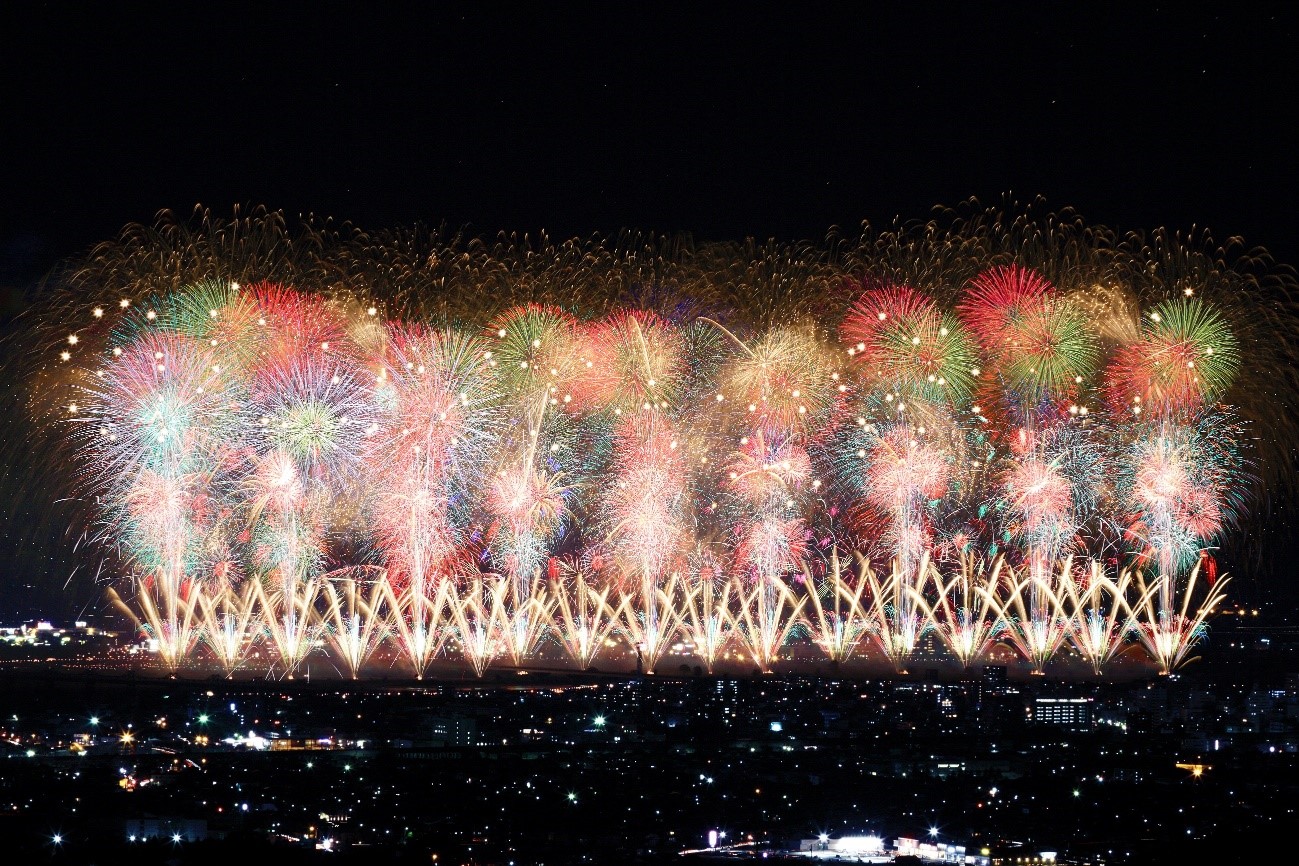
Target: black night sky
724 121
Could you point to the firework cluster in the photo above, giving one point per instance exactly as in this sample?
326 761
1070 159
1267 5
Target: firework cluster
284 469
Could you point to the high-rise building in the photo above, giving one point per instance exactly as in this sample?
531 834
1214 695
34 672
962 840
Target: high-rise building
452 730
1072 713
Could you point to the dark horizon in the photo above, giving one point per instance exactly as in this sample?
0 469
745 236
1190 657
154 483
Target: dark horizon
663 118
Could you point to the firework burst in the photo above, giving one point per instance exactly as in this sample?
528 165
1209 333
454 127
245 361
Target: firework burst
279 469
1186 358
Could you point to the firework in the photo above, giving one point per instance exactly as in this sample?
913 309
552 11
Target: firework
1185 358
281 469
1051 490
353 622
630 362
536 353
230 623
479 614
784 388
785 381
649 616
899 476
894 624
707 619
1040 344
837 619
964 609
1181 483
155 421
583 618
768 613
1030 607
645 505
1098 611
999 298
421 619
1170 634
909 347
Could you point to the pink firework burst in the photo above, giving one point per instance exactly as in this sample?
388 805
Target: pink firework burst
647 492
903 470
1200 513
768 468
1040 495
773 546
529 502
630 361
1162 481
435 399
275 485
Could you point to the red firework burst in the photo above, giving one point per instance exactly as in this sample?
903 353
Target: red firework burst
884 307
999 297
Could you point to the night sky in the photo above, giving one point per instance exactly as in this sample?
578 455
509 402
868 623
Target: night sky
719 120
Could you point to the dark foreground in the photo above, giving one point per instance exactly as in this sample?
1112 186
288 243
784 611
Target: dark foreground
566 769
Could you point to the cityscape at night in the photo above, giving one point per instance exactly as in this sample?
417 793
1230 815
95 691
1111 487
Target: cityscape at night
578 436
599 768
